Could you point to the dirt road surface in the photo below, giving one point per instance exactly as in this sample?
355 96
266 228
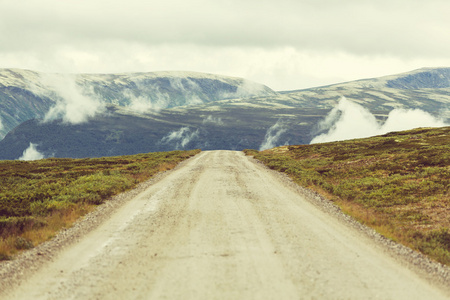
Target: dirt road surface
224 227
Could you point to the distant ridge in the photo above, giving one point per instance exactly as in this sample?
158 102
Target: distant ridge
25 94
426 78
427 89
416 79
92 115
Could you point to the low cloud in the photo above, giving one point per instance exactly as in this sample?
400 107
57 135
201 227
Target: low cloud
3 130
273 136
31 153
249 88
349 120
155 97
188 88
143 103
72 105
181 138
213 120
245 89
110 39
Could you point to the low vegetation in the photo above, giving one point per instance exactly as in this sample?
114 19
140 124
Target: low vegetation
38 198
398 183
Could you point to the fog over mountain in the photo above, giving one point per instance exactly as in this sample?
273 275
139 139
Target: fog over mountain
31 153
349 120
75 98
91 115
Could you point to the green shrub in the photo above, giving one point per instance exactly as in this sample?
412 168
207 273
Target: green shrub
22 244
17 225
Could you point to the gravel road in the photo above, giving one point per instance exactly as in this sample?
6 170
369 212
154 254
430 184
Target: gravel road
222 226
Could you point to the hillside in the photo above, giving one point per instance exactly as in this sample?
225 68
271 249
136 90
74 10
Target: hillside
25 95
120 131
134 118
397 183
427 89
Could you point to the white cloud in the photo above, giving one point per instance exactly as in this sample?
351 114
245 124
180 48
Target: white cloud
181 138
273 135
31 153
404 119
72 105
189 91
349 120
3 132
141 104
246 89
349 25
213 120
284 44
154 97
144 103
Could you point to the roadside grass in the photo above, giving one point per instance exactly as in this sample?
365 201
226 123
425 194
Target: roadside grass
398 183
38 198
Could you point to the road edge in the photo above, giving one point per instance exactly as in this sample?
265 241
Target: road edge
25 264
433 272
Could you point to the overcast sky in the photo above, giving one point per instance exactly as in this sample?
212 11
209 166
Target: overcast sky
285 44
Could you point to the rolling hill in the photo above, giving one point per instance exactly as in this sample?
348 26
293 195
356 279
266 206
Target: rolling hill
427 89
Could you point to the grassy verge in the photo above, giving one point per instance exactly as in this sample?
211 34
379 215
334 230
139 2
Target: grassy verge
38 198
398 183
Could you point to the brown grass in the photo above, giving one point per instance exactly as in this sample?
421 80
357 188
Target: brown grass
39 198
397 183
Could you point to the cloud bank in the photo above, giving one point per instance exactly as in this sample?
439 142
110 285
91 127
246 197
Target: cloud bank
144 103
72 105
349 120
154 96
188 88
284 44
3 132
181 138
31 153
213 120
273 136
302 24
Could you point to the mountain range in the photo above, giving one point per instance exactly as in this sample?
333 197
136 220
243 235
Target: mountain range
92 115
25 94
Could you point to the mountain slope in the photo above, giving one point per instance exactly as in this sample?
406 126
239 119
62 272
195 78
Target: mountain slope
136 122
427 89
25 95
426 78
119 131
